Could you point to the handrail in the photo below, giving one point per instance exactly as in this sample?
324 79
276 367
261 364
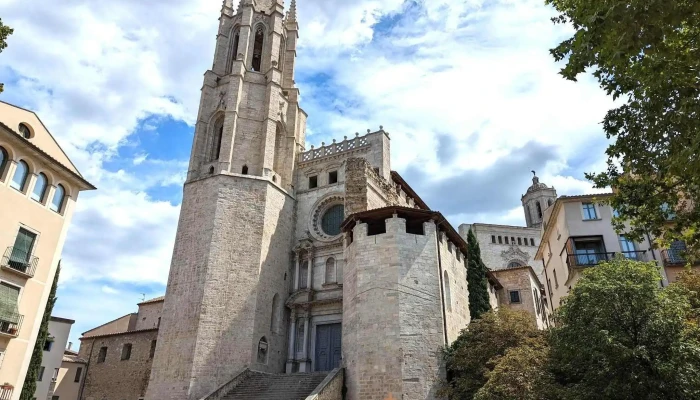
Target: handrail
227 387
19 260
331 387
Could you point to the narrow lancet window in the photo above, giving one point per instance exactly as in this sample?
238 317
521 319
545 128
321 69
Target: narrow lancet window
233 52
258 48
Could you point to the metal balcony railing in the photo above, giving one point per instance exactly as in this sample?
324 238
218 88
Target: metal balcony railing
638 255
10 325
20 261
588 260
6 392
673 258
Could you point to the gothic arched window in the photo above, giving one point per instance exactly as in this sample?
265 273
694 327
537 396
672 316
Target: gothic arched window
330 270
539 210
258 48
217 137
233 49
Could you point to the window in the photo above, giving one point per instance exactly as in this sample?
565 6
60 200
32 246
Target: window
615 213
628 249
25 131
514 296
39 191
244 170
19 178
448 295
59 197
9 313
500 240
313 182
330 270
258 48
55 375
589 212
506 238
48 344
535 299
217 136
21 254
102 355
4 158
275 316
556 281
152 353
539 210
40 376
493 239
532 242
262 351
520 241
333 177
332 219
78 374
54 398
233 53
512 240
126 352
515 264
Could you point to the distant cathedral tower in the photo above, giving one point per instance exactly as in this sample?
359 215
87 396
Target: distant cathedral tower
537 199
234 238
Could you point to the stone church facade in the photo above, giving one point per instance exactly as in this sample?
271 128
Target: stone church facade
291 259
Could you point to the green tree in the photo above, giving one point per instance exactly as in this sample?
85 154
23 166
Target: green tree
35 363
476 279
5 31
522 373
620 336
477 350
647 54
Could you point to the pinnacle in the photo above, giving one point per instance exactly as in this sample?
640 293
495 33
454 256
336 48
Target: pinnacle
292 13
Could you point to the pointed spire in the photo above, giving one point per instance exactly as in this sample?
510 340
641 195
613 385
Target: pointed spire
292 13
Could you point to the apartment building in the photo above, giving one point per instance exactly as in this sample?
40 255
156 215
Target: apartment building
578 234
52 358
39 186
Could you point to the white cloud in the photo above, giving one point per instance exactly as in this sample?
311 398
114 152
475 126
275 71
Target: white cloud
470 76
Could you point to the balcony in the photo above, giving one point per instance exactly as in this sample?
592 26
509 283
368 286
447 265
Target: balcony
17 261
6 391
674 256
10 324
588 259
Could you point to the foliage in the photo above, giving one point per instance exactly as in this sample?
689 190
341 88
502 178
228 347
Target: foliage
647 53
476 278
620 336
522 373
35 363
477 350
5 31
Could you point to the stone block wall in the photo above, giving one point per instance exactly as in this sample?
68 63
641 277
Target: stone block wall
149 316
392 313
525 282
117 379
231 255
455 288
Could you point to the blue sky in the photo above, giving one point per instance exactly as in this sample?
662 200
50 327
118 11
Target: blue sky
467 89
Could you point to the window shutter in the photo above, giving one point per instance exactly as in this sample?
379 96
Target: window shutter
8 303
23 246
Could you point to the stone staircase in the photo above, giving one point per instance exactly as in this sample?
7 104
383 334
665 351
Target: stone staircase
262 386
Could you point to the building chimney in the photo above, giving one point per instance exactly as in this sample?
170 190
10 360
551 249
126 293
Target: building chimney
70 344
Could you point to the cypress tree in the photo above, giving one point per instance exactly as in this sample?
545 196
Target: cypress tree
35 364
476 279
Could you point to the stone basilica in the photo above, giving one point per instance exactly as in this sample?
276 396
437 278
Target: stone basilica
305 262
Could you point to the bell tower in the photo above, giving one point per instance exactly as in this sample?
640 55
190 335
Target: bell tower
537 199
228 279
250 122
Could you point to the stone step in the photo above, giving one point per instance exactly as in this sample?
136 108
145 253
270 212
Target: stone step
261 386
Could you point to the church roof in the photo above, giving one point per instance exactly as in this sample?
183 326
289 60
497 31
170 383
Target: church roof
536 185
409 191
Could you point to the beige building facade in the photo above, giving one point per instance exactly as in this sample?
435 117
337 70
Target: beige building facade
265 276
577 235
38 189
70 377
